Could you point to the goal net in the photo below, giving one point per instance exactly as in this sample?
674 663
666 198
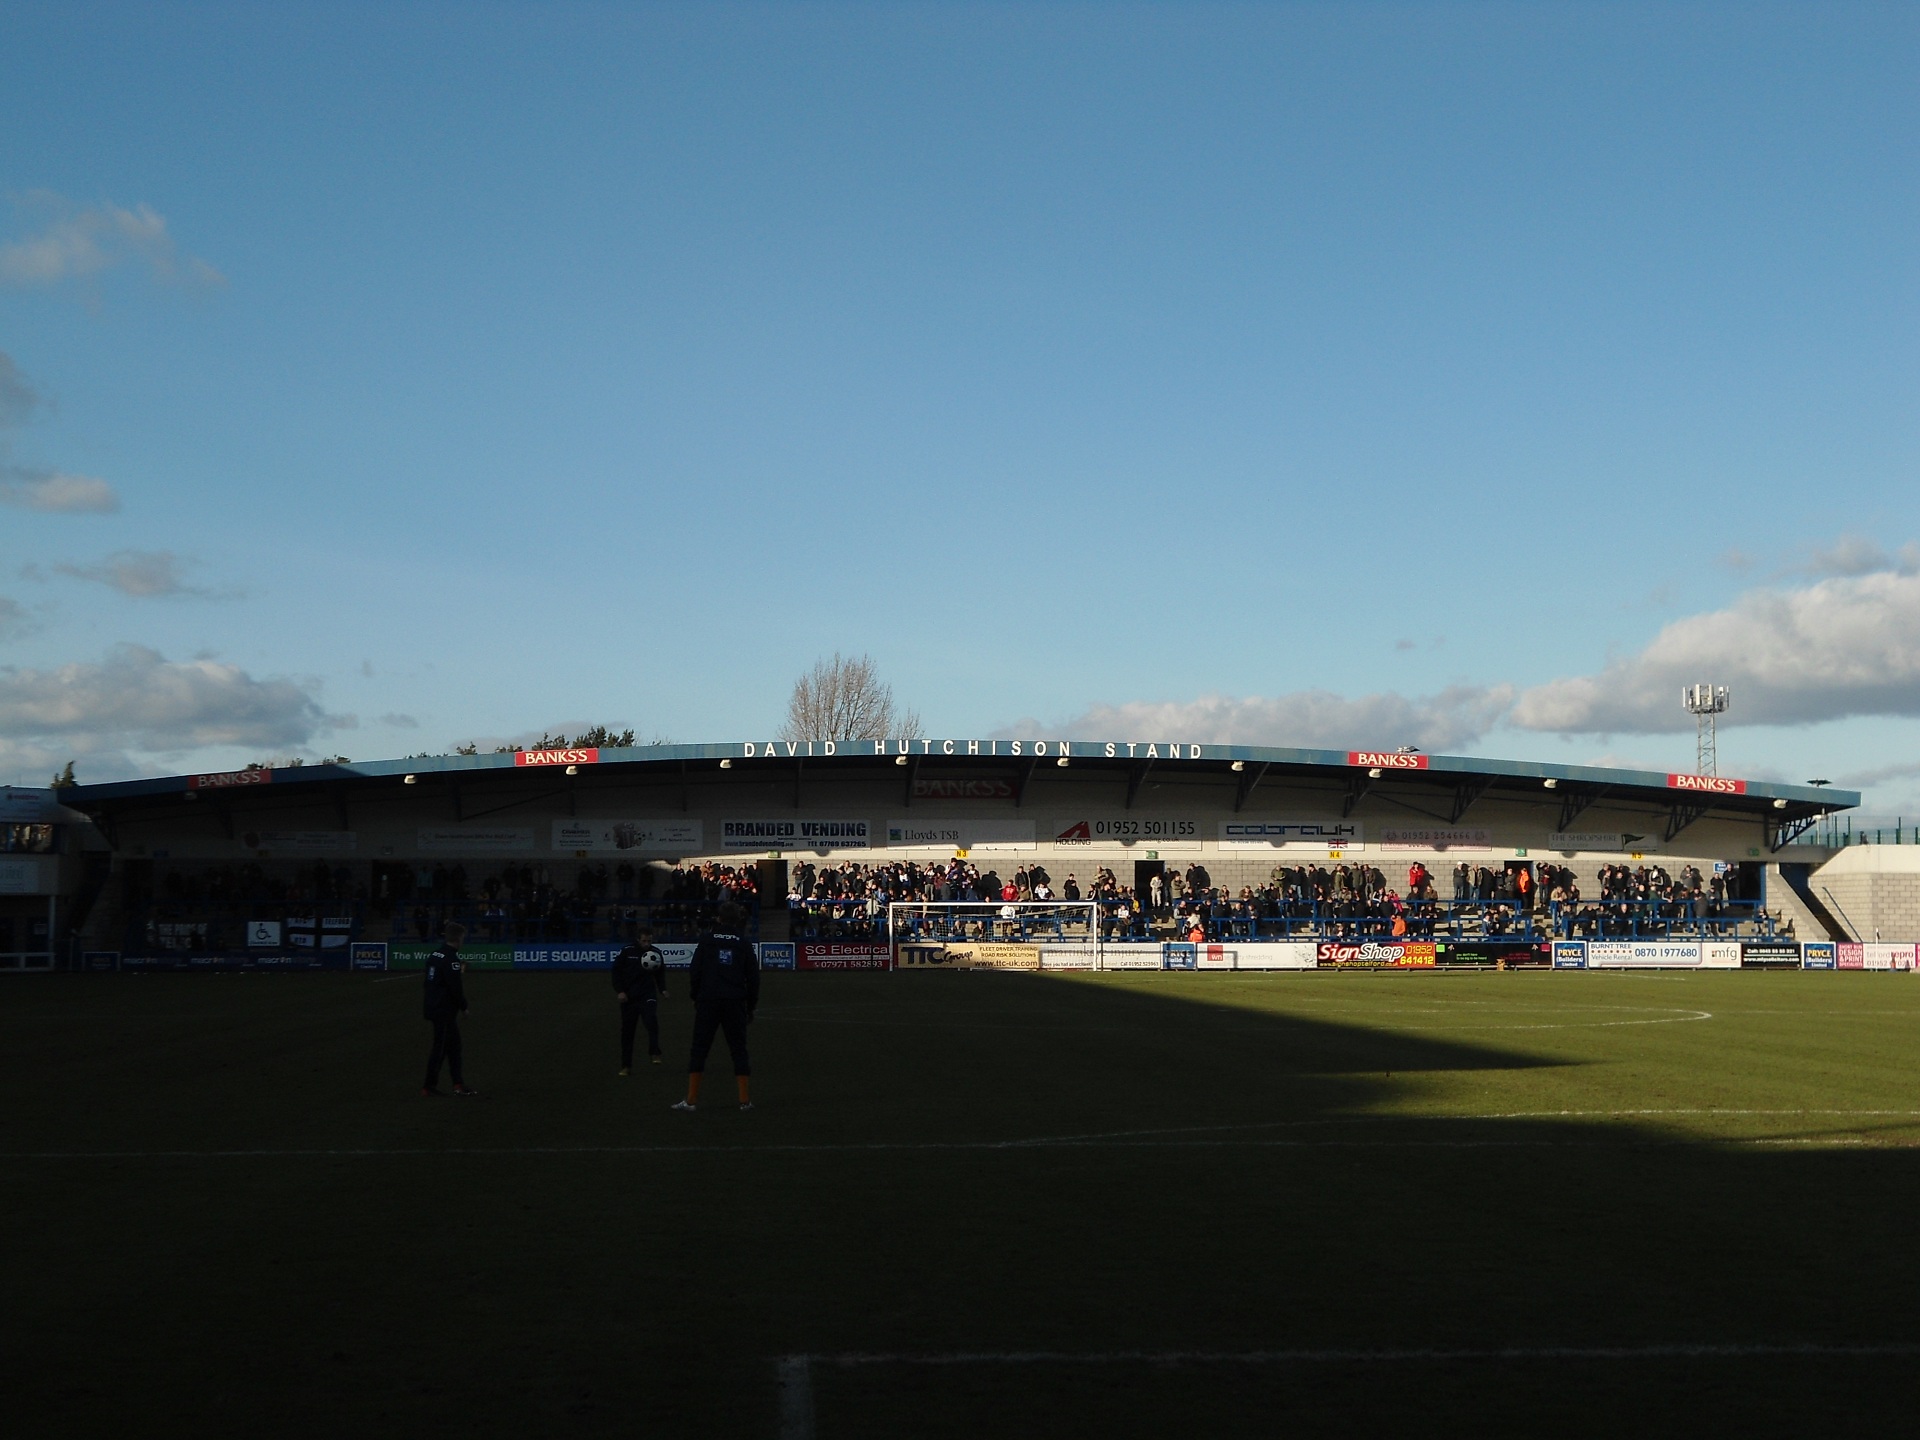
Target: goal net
999 934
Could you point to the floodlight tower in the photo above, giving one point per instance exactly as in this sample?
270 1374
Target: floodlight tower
1703 702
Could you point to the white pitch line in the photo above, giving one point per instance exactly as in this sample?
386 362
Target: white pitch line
794 1373
977 1146
1684 1351
1167 1137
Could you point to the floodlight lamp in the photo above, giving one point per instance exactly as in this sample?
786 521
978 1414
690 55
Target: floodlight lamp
1061 762
726 764
1408 750
1819 782
573 769
1237 766
1552 784
1779 804
411 780
1374 774
899 759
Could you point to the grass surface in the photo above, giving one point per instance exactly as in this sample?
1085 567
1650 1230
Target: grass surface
227 1211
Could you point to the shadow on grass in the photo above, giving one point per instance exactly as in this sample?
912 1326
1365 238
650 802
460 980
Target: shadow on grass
569 1259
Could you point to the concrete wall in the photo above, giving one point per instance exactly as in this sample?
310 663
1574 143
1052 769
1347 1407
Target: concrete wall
1872 889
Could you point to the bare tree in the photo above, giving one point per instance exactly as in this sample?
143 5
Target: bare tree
844 699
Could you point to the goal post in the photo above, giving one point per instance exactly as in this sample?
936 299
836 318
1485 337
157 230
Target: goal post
1070 924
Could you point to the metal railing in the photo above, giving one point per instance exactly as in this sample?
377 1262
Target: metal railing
1428 920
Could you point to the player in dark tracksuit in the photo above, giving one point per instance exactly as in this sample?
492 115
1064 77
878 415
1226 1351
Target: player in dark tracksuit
725 987
640 982
445 1001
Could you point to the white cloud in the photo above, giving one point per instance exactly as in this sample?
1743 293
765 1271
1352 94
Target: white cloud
77 242
400 722
56 493
13 616
1455 717
1844 646
1857 555
137 700
143 574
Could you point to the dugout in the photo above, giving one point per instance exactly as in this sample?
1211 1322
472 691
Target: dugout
330 856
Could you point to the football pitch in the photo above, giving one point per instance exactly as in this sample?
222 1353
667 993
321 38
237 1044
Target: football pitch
968 1205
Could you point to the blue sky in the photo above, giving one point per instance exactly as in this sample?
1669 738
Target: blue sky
379 378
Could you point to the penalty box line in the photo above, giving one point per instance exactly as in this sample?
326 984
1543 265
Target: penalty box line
793 1374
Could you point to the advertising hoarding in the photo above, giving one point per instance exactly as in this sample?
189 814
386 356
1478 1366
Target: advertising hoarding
842 955
1068 957
1493 955
1850 955
1647 954
368 955
475 954
1133 955
1279 955
25 877
1126 832
1391 954
776 954
1434 837
961 833
794 834
644 837
1292 835
475 840
303 842
1569 954
1818 955
1770 955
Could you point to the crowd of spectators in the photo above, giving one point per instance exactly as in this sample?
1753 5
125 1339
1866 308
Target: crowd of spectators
209 905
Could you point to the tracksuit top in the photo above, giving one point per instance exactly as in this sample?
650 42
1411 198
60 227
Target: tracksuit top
445 994
725 968
639 972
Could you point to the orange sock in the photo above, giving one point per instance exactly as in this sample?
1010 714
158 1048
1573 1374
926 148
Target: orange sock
693 1089
741 1081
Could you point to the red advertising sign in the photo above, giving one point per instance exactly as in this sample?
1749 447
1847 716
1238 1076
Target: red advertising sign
225 778
1401 954
939 787
1712 784
1386 760
843 955
589 756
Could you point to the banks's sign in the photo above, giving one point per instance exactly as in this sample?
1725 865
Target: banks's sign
1386 760
229 779
1708 784
588 756
953 787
